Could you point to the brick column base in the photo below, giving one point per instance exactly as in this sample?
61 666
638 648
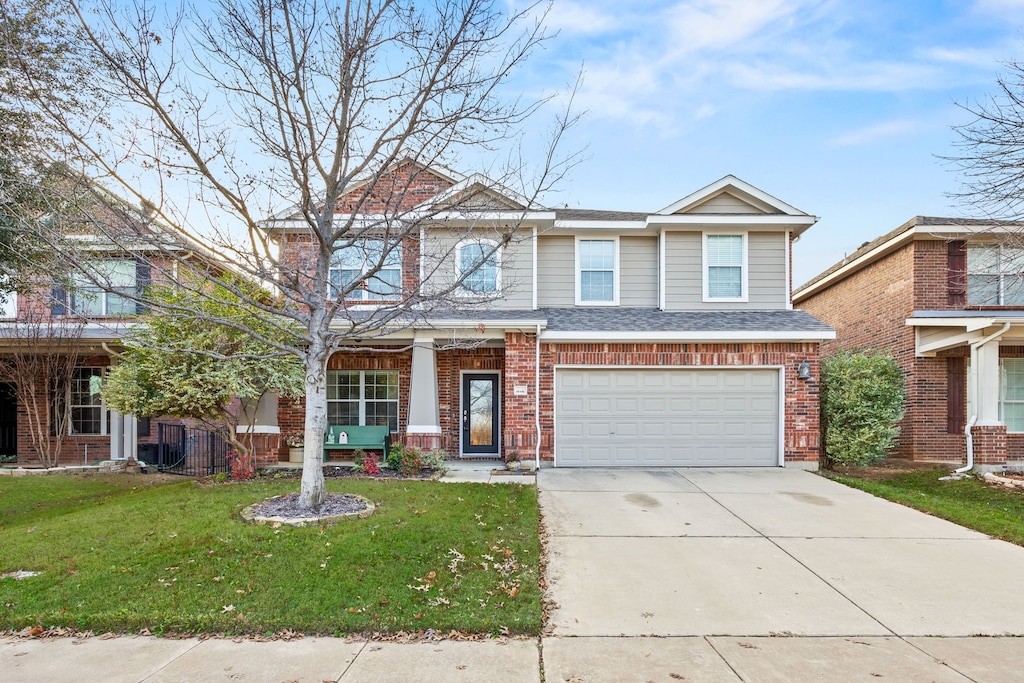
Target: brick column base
426 442
989 445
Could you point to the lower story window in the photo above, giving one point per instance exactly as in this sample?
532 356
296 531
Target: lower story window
86 403
1011 395
363 397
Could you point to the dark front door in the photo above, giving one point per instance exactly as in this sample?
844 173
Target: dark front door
8 420
480 414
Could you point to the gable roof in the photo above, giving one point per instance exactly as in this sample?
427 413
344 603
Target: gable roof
496 196
933 227
731 185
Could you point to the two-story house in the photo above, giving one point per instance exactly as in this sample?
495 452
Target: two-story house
946 297
608 338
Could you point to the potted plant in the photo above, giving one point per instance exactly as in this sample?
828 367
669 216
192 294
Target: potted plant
295 441
512 462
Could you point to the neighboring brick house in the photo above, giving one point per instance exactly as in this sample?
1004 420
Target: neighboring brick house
946 297
609 338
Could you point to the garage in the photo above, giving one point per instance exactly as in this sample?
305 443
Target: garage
683 417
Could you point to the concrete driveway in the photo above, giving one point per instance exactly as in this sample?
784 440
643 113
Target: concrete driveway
727 560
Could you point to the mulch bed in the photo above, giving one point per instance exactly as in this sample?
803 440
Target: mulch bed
289 506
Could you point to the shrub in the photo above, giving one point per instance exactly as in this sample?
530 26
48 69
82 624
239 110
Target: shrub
862 403
368 463
242 466
405 460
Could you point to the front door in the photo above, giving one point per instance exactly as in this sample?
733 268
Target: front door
480 414
8 420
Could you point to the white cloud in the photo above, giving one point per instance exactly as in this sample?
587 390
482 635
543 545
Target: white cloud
876 132
570 17
720 24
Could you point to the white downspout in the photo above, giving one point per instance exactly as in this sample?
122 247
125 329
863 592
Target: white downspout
536 400
973 394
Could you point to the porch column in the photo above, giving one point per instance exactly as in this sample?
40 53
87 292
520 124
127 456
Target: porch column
131 438
987 375
116 435
424 428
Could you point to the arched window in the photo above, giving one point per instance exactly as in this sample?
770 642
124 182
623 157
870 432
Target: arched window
479 262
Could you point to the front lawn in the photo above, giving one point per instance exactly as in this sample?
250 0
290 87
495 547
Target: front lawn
177 558
995 511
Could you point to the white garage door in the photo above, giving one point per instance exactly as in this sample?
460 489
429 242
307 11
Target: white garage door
691 418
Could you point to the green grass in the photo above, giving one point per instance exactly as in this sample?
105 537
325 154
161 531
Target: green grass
994 511
177 558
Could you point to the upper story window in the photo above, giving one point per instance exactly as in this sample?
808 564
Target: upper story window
480 262
597 271
377 275
725 267
118 279
995 275
104 287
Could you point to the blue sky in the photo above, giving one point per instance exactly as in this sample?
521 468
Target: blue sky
838 107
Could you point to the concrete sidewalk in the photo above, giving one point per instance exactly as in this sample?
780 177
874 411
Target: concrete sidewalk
564 660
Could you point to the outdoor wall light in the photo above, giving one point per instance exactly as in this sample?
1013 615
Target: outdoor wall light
803 371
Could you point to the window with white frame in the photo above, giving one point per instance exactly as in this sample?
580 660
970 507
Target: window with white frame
9 305
363 397
597 277
371 270
725 267
1011 394
118 280
995 275
479 262
85 402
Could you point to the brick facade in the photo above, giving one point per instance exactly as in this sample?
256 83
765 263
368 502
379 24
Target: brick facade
869 309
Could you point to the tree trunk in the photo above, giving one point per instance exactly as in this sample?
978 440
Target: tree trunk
312 492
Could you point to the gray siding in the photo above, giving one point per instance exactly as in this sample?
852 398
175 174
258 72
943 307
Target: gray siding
766 277
438 256
682 271
556 280
728 203
767 260
638 279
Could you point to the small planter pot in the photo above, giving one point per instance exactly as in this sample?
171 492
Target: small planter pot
295 454
513 465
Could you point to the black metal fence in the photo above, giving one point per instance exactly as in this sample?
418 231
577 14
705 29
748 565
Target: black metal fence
187 450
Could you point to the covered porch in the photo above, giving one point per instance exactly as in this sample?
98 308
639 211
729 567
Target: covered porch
984 351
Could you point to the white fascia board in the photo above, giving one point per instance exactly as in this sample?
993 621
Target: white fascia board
502 324
496 216
855 264
969 324
730 181
744 220
601 225
687 336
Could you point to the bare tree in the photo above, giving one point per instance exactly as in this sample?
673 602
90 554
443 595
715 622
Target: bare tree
991 150
41 366
336 110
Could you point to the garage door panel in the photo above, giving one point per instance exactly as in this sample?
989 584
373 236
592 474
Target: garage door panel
659 416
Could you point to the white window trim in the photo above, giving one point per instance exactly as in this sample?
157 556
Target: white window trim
463 290
102 406
362 400
363 299
744 275
9 308
1002 394
615 274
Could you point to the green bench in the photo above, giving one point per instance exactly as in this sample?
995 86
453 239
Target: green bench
352 437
